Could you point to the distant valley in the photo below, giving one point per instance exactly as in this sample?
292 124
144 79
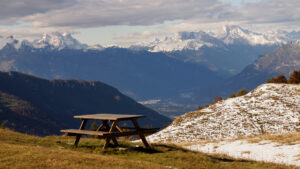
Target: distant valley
37 106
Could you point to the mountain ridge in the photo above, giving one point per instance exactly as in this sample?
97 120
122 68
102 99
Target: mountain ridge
46 106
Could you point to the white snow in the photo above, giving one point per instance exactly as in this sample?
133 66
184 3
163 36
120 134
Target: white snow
263 151
9 40
228 35
153 101
270 108
58 41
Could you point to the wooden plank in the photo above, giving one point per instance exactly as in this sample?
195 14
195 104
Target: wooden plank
103 133
112 129
108 116
119 128
141 133
87 132
106 144
83 123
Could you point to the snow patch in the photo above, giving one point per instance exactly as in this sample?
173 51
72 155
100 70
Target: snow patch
263 151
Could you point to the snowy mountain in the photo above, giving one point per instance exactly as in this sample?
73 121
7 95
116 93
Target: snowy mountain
58 41
54 41
270 108
226 52
228 35
10 40
236 34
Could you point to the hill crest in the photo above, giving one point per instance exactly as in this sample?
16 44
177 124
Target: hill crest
270 108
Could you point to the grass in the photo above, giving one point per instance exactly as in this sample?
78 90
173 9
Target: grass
23 151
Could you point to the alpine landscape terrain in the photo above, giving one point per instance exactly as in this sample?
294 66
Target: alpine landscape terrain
138 84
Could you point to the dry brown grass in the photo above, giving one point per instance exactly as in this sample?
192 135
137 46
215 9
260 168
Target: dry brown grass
21 156
24 151
289 138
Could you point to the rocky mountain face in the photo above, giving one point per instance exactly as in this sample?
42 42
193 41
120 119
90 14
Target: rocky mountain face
270 108
37 106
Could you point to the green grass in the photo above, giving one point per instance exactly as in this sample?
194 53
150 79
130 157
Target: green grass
23 151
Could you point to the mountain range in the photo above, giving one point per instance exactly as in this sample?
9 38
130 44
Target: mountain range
42 107
189 67
139 74
227 51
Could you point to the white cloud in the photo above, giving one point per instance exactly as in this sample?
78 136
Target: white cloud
95 13
92 13
13 10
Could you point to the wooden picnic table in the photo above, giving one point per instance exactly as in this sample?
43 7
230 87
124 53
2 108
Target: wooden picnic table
107 131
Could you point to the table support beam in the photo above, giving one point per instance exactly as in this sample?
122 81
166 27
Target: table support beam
83 123
141 133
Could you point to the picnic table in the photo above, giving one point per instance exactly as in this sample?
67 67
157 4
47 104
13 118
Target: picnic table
109 128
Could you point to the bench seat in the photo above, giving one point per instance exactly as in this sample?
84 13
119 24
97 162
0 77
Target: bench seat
88 132
105 133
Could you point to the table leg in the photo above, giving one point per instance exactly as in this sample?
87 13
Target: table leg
141 133
83 123
111 129
106 144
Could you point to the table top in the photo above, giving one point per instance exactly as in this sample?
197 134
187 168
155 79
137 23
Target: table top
109 116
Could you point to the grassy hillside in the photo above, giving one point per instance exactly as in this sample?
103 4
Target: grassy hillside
38 106
23 151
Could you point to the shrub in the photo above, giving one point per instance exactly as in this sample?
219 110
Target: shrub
278 79
294 77
232 95
242 92
3 124
218 98
94 126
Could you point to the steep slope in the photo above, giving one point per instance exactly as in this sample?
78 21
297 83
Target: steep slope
282 60
270 108
37 106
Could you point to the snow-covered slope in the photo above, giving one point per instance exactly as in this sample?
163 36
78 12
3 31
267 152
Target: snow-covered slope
270 108
228 35
54 40
9 40
182 40
58 41
236 34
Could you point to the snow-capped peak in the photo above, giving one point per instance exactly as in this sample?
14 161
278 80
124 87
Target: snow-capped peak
228 35
236 34
9 40
58 41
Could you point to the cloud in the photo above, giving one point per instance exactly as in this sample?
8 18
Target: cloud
30 34
96 13
93 13
68 15
13 10
271 11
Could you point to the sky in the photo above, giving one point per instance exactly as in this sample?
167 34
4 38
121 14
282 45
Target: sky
120 22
